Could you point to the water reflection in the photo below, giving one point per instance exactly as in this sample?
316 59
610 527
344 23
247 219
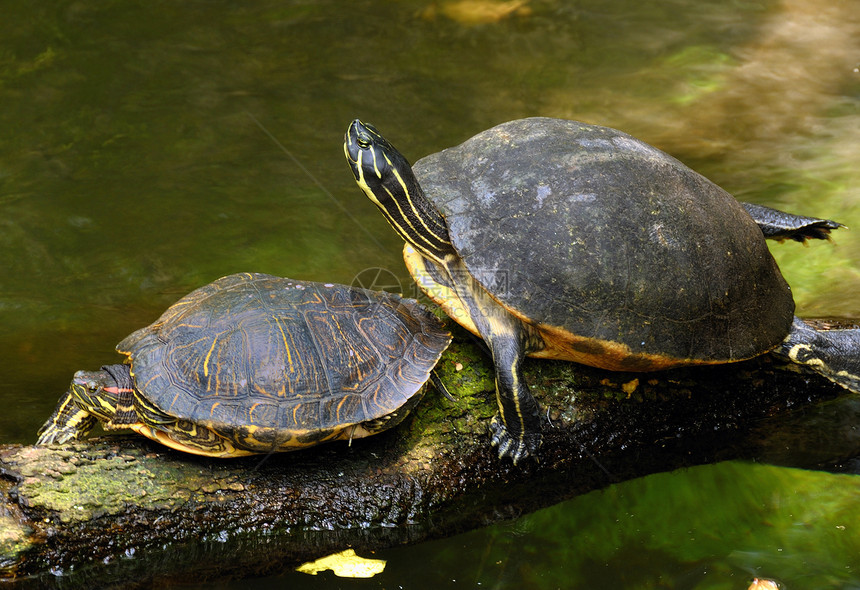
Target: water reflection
711 527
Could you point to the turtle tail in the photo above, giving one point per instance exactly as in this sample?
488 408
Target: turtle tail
834 354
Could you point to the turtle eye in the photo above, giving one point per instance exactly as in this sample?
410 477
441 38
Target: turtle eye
92 386
363 141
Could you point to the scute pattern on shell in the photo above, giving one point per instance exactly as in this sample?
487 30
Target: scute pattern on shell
252 355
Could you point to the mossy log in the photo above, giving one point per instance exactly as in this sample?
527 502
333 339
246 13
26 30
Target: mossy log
122 508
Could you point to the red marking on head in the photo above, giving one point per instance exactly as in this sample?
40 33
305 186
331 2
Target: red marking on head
117 390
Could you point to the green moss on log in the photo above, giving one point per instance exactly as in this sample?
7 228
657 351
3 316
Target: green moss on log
83 482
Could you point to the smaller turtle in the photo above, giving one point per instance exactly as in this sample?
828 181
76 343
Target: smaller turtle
253 363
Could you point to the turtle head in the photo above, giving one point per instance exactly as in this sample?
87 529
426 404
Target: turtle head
96 391
387 179
103 393
376 164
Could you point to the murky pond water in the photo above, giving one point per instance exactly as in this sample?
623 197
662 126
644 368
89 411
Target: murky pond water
149 148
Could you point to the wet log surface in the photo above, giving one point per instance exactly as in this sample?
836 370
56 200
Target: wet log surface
120 509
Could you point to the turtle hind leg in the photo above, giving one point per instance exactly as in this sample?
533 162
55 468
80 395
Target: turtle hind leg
834 354
779 225
68 422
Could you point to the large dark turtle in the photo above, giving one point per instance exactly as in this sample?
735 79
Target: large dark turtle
559 239
254 363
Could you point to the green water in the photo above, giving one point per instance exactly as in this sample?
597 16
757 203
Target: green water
149 148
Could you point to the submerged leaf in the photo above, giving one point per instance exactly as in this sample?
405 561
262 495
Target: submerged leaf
345 564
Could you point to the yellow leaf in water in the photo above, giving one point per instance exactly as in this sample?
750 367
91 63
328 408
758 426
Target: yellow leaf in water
345 564
476 12
763 584
630 387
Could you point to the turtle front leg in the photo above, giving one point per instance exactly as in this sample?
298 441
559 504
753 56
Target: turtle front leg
93 396
516 429
68 422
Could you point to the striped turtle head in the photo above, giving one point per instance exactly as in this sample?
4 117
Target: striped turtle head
387 179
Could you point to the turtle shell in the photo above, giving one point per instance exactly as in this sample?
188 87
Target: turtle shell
271 363
605 242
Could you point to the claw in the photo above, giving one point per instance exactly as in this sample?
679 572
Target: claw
515 447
